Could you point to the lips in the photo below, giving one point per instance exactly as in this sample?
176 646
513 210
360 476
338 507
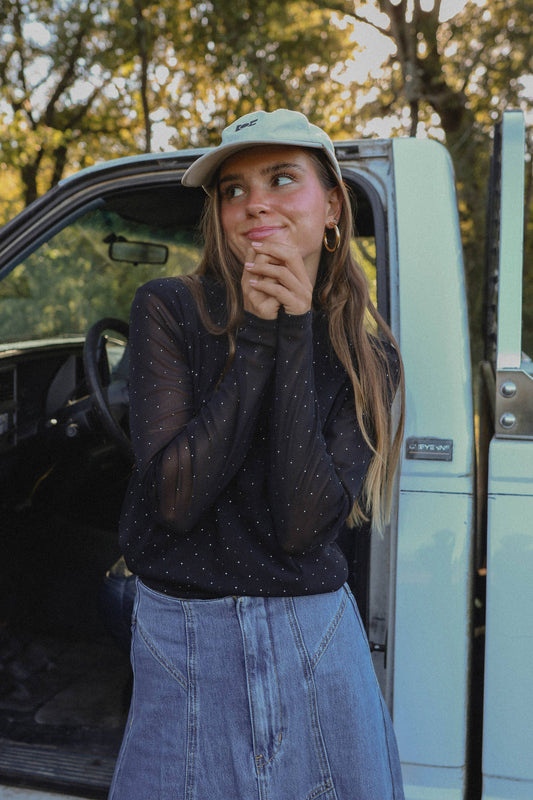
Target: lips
256 234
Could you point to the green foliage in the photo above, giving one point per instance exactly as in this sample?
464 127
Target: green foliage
70 282
87 81
452 78
80 82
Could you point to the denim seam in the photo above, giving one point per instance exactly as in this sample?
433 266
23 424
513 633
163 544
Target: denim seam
261 763
128 732
259 759
327 785
381 700
192 703
176 674
246 661
393 782
328 636
351 598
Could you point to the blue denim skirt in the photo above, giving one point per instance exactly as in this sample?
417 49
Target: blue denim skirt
244 697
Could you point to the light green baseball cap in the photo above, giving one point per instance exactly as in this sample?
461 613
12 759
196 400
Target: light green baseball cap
282 126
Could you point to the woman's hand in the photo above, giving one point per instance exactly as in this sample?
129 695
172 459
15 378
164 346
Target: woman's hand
257 295
274 275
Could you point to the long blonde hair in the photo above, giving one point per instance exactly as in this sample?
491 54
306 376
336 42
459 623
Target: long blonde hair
356 329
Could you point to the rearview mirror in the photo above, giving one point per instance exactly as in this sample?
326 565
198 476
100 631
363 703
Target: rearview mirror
138 252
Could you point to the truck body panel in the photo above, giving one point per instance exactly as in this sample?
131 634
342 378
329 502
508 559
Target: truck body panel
507 737
435 521
507 718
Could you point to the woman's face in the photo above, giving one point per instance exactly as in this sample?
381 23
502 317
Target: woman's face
275 191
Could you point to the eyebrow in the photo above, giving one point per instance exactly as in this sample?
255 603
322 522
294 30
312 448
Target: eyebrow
235 176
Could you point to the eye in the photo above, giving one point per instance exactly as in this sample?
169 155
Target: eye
282 179
232 190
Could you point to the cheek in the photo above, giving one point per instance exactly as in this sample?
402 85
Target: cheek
226 220
314 218
314 207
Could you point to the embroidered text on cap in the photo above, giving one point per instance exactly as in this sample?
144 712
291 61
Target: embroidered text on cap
245 125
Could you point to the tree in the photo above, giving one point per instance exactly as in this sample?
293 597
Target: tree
55 63
80 81
455 76
265 53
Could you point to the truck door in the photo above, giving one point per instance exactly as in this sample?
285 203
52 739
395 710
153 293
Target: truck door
508 377
430 652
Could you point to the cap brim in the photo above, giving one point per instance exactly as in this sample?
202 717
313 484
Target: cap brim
202 172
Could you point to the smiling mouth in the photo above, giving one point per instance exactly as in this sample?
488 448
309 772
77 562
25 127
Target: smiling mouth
262 232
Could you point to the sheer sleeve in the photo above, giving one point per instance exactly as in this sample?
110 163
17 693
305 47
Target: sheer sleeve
318 466
185 456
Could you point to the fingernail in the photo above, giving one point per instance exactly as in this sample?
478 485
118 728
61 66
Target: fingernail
257 244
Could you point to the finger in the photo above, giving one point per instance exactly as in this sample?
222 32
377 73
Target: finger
255 301
276 269
295 300
278 252
291 279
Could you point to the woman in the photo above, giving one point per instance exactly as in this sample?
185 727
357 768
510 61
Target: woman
260 419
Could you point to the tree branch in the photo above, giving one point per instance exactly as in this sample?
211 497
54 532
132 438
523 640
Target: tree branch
69 72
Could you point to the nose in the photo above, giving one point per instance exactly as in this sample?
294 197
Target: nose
257 201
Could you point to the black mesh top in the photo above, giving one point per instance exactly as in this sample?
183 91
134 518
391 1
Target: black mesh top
244 478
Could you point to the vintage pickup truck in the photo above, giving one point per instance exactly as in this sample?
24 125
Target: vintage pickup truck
446 593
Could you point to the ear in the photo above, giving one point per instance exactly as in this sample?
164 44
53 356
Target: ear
334 204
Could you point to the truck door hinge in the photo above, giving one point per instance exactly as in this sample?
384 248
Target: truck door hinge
514 403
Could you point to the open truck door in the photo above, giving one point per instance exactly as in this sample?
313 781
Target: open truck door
430 655
508 388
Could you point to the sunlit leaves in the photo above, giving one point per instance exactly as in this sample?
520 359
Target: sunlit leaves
90 80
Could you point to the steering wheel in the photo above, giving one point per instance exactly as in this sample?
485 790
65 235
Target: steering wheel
109 393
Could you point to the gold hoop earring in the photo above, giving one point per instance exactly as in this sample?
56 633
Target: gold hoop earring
337 239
